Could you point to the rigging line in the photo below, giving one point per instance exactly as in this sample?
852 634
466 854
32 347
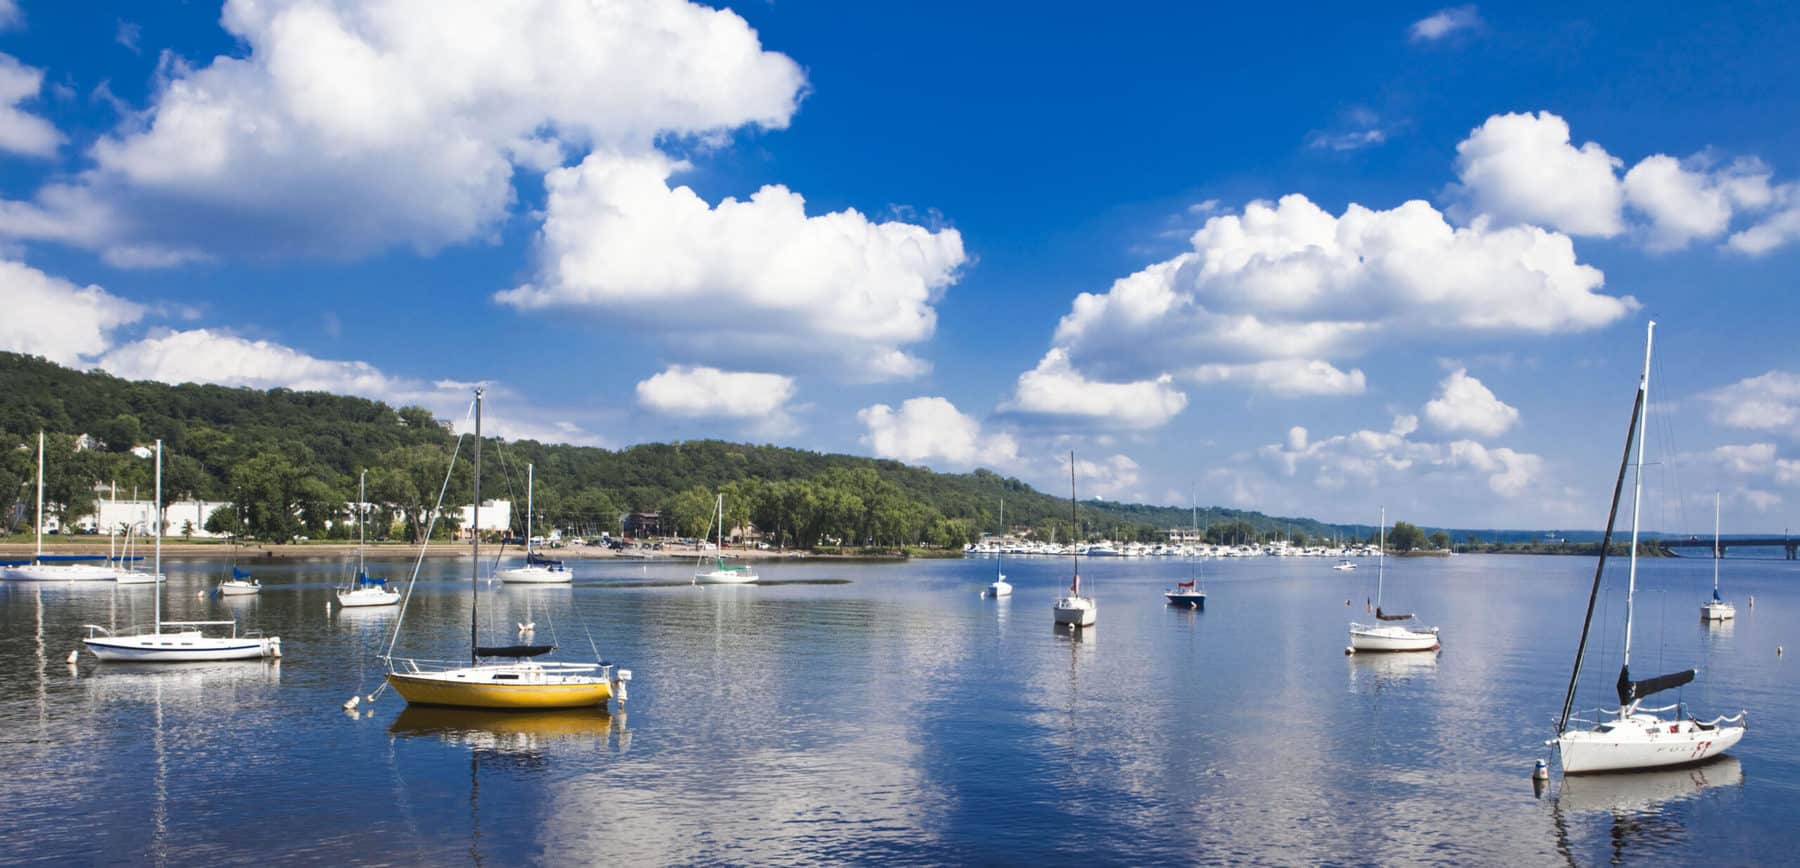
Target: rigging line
429 528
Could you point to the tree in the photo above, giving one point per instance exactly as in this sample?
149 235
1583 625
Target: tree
1440 540
225 521
689 513
1405 537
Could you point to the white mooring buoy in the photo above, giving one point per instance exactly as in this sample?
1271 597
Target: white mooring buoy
352 702
74 656
1349 649
1541 772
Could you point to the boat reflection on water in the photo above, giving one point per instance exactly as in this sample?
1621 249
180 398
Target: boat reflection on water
1642 805
513 732
1379 671
154 682
1079 636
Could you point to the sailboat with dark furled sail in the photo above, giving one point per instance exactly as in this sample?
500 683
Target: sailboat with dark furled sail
523 682
1389 634
1634 736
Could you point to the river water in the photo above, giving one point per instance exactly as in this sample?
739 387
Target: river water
886 713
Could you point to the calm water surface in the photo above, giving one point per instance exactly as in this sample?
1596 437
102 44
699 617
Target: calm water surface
886 713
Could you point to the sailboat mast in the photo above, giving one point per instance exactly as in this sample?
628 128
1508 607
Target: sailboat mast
475 543
1000 560
1193 531
1381 560
1716 554
1612 517
1074 530
530 482
156 568
40 496
1637 487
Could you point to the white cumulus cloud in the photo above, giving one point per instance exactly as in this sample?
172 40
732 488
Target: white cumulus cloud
1367 459
1114 477
1444 22
47 316
1286 378
930 429
210 356
1054 389
1522 168
348 127
1465 405
1290 281
701 391
1766 402
20 131
1779 227
1689 203
754 279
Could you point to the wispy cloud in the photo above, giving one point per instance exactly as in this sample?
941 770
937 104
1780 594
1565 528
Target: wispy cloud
1445 22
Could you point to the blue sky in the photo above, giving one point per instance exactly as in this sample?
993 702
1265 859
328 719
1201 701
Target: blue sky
1307 261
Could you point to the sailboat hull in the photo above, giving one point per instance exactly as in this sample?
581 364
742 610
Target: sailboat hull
180 648
1076 611
1643 742
1364 637
1186 599
490 687
1717 611
61 573
535 575
367 597
726 577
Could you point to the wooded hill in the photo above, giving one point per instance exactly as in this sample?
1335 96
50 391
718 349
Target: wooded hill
288 461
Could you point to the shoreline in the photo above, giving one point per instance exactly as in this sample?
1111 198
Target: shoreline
10 551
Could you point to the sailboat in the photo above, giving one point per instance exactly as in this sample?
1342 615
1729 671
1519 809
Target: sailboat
1633 736
1073 608
241 584
722 573
1000 587
1386 636
364 590
133 575
538 570
54 568
185 643
1716 609
1188 593
521 683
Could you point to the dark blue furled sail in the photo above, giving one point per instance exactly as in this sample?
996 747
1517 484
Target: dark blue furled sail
537 560
239 574
1630 691
49 559
366 580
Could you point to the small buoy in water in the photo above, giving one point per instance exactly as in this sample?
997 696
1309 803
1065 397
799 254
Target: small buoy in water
74 656
1541 772
351 704
1346 602
371 701
1753 602
1778 650
1349 649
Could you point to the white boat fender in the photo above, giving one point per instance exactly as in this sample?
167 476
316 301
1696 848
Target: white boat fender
275 647
1540 772
351 704
74 656
1349 650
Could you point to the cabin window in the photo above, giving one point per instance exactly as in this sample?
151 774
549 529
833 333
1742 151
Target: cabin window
504 676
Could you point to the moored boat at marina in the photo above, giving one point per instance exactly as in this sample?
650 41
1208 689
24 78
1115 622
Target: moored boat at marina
1388 633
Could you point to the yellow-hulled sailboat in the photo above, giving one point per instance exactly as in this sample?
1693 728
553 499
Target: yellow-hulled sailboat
521 683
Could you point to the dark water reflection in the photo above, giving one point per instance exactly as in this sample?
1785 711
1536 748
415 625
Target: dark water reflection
884 712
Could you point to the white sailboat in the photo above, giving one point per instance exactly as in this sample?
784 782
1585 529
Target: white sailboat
241 584
1716 609
1386 636
184 643
364 590
521 683
1075 609
538 570
49 568
1633 736
722 573
1000 587
1189 593
133 575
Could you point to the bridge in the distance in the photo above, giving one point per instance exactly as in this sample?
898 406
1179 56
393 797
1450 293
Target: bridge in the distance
1786 543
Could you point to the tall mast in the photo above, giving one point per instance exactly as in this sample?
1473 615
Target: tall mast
156 570
1716 554
362 483
475 542
1193 531
1000 560
1612 516
1075 529
530 480
1637 486
40 496
1381 560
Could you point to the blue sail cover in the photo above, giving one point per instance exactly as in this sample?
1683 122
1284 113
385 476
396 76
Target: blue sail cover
1716 596
46 559
239 574
369 581
537 560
